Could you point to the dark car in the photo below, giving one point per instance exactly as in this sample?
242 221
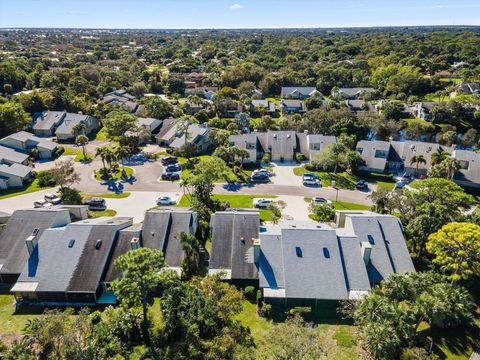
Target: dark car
170 176
96 204
361 184
173 168
169 160
260 178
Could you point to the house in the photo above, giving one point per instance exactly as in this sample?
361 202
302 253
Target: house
292 106
469 173
151 124
46 123
14 175
198 134
466 88
282 145
233 233
121 98
194 79
423 110
25 142
22 226
248 142
161 230
359 105
258 107
304 263
352 93
66 130
66 265
299 93
206 92
316 143
191 108
10 157
396 156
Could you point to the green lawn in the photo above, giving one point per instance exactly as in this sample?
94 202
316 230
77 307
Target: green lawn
237 201
88 196
342 205
342 180
21 191
117 176
453 344
12 323
101 135
78 154
97 214
416 120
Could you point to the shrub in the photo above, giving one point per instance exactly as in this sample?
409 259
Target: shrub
417 353
45 179
265 310
71 196
59 151
321 212
299 157
267 157
249 292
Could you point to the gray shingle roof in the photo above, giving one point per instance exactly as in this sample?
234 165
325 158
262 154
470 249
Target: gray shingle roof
303 90
232 240
15 170
13 251
12 155
70 121
48 120
161 230
23 136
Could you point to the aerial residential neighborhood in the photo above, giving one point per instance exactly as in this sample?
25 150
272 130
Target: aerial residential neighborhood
239 180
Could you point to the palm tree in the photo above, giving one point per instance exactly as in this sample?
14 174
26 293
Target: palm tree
101 152
242 154
438 156
79 129
122 153
82 140
452 166
417 159
191 249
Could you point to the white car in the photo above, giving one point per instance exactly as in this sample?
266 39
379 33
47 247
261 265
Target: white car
165 200
262 203
53 199
311 181
261 171
41 203
320 200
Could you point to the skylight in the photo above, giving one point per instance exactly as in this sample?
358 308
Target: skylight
326 253
298 250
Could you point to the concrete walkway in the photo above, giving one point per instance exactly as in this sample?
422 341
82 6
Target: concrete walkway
295 208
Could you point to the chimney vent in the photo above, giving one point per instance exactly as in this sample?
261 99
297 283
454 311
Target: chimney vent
135 243
31 242
366 251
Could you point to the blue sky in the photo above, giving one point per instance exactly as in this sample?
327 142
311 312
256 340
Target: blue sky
160 14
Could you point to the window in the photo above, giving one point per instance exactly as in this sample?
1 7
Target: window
298 250
315 146
380 154
251 146
326 253
360 150
371 240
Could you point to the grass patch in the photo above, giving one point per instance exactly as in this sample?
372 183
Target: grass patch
123 195
117 176
12 322
344 336
97 214
417 120
342 180
78 153
101 135
341 205
4 194
457 343
236 201
249 318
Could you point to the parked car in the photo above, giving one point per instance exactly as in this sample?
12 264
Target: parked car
173 168
320 200
96 204
262 203
400 184
53 199
170 176
406 178
262 171
259 178
165 200
41 203
310 175
361 184
311 181
169 160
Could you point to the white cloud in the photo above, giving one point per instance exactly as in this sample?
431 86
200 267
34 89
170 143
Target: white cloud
235 7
